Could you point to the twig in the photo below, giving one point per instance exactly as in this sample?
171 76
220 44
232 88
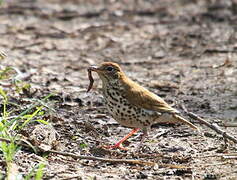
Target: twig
73 177
212 126
229 157
229 124
219 155
219 51
161 134
224 156
7 85
226 63
216 164
128 161
27 45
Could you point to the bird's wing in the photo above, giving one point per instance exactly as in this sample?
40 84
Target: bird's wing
141 97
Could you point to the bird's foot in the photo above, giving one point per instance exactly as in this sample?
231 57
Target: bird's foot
119 145
116 146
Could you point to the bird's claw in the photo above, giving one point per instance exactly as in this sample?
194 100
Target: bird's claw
116 146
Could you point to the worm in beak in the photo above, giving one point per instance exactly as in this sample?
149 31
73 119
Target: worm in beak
92 68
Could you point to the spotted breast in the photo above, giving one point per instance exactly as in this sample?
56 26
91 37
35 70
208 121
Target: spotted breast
123 111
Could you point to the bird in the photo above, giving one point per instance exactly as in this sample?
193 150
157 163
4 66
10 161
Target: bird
132 105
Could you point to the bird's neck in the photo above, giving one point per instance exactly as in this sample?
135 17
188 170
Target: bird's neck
126 82
111 83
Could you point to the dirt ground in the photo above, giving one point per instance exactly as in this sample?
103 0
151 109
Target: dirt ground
184 51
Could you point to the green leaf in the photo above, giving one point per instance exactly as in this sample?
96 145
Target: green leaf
3 94
31 116
9 150
83 145
42 121
40 172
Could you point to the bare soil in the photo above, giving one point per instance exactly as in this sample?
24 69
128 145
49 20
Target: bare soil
184 51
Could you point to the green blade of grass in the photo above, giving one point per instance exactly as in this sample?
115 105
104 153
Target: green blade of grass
28 110
29 117
40 172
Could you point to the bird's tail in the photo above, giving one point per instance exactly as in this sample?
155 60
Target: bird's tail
182 120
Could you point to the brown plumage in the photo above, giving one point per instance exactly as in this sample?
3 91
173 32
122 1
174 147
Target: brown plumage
131 104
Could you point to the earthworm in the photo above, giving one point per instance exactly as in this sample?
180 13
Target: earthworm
90 78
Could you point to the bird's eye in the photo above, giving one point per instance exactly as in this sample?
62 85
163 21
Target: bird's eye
109 68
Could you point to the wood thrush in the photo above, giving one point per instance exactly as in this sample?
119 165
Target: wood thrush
132 105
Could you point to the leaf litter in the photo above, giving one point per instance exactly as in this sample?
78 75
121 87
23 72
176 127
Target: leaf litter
179 50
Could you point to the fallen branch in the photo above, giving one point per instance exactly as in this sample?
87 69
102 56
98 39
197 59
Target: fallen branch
214 127
233 154
127 161
229 124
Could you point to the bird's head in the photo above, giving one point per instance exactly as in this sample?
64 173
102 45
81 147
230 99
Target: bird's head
108 71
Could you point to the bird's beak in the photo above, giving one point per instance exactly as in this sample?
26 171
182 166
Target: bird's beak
93 68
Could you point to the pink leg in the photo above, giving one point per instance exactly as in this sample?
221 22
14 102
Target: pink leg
119 144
